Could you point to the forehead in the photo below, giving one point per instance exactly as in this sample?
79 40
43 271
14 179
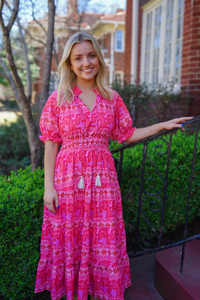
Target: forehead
83 47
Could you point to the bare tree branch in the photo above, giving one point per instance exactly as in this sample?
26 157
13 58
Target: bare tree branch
33 16
32 38
48 56
6 74
1 5
13 15
24 47
28 70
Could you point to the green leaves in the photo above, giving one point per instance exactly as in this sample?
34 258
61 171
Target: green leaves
177 189
148 106
14 148
21 210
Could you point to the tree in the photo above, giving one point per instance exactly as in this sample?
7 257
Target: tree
9 15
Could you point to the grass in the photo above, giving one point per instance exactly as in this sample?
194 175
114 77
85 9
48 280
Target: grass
8 116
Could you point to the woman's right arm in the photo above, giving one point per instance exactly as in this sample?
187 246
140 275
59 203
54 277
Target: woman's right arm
50 194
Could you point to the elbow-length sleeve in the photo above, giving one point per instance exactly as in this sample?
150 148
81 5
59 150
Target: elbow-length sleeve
122 129
49 121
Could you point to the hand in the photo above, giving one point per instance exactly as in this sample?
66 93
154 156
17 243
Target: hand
176 123
51 199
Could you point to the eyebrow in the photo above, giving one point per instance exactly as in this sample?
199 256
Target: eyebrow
82 54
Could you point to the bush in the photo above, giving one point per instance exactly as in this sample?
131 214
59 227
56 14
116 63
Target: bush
148 106
21 210
14 147
21 207
177 189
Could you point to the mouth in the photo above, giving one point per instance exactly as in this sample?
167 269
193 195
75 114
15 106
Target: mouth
87 70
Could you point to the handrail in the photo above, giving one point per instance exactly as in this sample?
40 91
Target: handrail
139 249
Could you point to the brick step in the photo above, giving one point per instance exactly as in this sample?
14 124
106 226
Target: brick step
169 282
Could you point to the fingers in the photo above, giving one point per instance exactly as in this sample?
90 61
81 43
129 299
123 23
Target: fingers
56 201
50 207
183 119
51 200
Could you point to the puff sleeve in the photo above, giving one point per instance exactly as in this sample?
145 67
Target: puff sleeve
122 129
49 121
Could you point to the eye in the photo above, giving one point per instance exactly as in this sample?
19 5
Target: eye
92 55
77 58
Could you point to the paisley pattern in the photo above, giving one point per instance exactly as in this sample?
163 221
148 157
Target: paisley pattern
83 245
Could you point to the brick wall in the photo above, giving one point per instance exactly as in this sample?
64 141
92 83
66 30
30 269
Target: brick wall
190 75
128 38
119 61
139 41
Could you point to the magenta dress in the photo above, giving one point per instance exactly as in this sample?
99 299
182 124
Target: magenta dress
83 245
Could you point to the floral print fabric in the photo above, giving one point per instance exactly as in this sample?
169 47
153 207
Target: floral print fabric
83 245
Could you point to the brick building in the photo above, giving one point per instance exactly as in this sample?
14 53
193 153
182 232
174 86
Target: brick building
109 30
163 44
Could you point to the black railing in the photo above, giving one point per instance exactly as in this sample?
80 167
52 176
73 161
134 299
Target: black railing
143 241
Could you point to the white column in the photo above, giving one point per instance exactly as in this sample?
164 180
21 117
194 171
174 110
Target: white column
134 40
162 42
112 57
174 36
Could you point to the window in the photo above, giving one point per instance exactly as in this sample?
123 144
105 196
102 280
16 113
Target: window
162 38
119 77
147 48
168 41
119 40
179 42
156 50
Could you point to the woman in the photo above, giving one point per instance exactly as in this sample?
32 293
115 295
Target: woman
83 245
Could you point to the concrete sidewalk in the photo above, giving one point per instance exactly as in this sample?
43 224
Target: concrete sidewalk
142 277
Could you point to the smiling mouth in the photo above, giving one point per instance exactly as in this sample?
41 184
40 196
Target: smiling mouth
88 70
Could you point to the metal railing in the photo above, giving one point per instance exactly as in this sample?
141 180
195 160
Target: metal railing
140 247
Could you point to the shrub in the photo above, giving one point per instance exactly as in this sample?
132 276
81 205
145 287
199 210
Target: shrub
21 208
14 147
177 189
148 106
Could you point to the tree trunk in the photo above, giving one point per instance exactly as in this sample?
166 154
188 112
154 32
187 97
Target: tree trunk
48 57
24 100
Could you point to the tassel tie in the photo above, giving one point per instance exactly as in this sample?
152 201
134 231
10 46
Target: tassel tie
98 181
81 184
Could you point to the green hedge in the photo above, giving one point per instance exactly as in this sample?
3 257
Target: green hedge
14 147
21 209
178 184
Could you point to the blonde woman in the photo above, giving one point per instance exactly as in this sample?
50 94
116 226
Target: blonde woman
83 245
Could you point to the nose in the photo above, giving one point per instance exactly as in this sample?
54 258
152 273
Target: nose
86 61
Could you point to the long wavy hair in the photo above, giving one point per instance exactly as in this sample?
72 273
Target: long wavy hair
67 77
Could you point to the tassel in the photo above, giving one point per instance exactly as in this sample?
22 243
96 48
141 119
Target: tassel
81 184
98 181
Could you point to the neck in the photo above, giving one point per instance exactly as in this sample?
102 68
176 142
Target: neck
85 86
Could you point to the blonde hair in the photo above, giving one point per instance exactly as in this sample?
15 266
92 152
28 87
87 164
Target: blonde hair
67 77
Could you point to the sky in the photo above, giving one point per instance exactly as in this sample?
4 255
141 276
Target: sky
40 8
104 6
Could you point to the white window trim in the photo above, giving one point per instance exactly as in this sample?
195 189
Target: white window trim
147 9
121 73
119 50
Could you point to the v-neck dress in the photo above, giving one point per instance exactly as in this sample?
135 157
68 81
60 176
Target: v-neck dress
83 245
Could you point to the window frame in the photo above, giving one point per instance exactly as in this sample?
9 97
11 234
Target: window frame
122 48
151 7
121 74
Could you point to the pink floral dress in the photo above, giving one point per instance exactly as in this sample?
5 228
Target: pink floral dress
83 245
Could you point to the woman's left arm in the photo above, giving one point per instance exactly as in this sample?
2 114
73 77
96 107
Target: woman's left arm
142 133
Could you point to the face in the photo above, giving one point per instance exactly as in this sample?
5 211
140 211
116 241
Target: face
84 61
